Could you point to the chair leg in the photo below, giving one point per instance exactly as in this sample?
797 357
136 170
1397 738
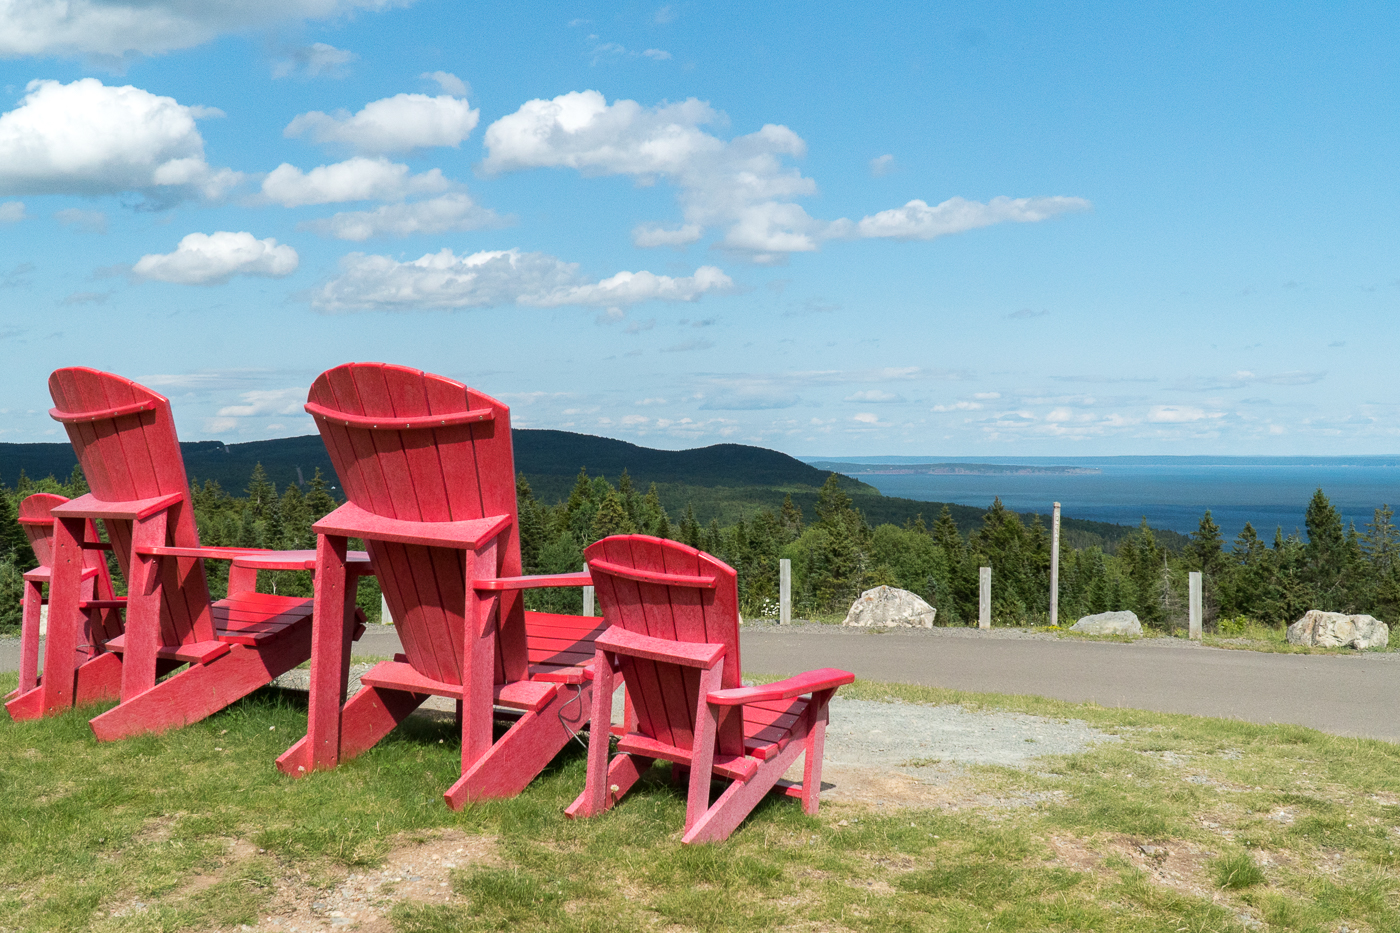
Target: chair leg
739 799
99 679
623 772
703 747
30 611
203 689
510 764
371 714
814 750
594 799
65 618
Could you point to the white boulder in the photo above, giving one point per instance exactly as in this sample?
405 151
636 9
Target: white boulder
1109 623
1337 629
888 605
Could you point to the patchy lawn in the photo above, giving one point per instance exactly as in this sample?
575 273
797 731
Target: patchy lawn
1183 823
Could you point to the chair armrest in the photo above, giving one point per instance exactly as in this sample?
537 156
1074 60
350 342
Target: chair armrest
208 553
534 582
828 678
688 654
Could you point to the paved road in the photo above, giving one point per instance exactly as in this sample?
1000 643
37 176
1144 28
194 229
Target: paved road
1346 695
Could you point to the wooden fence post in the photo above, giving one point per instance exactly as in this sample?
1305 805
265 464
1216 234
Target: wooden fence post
984 597
1055 566
587 597
784 591
1194 618
384 617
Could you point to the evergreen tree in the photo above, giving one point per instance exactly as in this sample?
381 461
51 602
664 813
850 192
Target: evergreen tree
1205 551
790 520
1382 546
651 516
611 518
261 493
296 520
581 507
1326 557
630 500
534 524
837 561
319 499
712 542
14 544
77 483
690 528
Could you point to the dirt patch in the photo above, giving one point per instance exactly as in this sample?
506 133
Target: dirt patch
937 786
418 870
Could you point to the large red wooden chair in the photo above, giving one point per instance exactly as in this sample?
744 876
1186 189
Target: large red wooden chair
124 436
91 673
429 474
673 617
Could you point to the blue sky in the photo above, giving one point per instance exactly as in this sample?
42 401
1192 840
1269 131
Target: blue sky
955 229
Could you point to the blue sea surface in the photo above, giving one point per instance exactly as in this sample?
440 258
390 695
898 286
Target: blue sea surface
1171 492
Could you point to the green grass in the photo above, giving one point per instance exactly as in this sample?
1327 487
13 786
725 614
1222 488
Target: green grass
1276 824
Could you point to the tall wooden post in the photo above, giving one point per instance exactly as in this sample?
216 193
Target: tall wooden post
1055 566
784 591
984 597
1194 618
384 617
587 597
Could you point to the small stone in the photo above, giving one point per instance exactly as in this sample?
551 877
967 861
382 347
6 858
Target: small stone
1156 852
1109 623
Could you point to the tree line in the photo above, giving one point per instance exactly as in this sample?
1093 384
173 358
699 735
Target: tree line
836 554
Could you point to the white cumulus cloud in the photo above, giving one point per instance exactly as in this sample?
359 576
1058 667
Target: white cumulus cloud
395 124
209 259
746 185
1179 414
918 221
444 280
449 82
445 214
657 235
356 179
313 61
12 212
119 29
87 138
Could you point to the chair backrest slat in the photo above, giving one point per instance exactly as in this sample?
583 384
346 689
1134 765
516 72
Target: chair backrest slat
129 450
413 471
687 609
36 518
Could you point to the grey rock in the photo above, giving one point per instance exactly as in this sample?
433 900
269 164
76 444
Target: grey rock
1109 623
890 606
1336 630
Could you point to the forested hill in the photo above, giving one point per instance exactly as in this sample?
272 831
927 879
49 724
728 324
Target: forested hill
726 482
551 460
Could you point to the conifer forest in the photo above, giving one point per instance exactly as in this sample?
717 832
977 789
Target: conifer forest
1269 577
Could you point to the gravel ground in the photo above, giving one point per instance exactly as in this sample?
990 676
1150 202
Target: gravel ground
871 734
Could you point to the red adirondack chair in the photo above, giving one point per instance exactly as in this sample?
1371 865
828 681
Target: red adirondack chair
124 436
427 466
673 617
92 673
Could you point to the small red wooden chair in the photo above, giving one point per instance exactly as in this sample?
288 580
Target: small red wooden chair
427 466
124 436
93 673
673 616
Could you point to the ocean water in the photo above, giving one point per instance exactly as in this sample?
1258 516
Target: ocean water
1172 492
